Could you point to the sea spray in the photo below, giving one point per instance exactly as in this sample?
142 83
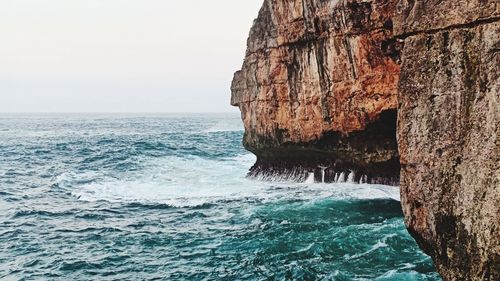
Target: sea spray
88 197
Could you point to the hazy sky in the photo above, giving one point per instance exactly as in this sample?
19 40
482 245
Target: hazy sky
121 55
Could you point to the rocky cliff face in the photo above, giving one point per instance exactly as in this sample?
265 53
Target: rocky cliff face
320 86
448 131
318 77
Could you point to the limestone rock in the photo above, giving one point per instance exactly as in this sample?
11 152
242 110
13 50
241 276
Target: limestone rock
316 75
320 86
448 130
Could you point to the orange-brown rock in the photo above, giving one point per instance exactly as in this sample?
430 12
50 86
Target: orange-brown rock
316 75
321 83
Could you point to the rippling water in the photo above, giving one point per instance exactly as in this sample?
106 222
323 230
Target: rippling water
129 197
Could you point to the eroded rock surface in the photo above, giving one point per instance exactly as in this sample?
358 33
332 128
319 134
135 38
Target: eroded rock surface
322 84
448 130
316 76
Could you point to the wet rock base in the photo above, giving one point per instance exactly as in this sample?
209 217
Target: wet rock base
368 156
386 173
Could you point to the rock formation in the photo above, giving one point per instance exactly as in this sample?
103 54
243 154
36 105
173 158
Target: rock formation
448 132
317 77
322 84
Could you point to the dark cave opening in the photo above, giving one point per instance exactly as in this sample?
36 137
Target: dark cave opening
371 153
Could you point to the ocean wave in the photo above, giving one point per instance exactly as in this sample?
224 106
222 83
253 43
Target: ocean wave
156 194
104 195
194 181
40 213
378 245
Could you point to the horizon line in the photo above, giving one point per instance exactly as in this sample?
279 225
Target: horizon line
112 112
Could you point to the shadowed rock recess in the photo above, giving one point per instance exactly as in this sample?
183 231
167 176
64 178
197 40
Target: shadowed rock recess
337 88
319 88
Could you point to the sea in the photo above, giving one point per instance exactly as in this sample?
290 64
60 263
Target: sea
166 197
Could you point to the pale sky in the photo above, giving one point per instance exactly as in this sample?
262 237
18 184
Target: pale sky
121 55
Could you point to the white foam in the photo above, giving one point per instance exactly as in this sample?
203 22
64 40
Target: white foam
340 178
363 179
177 182
245 160
310 178
323 169
351 177
196 181
395 274
378 245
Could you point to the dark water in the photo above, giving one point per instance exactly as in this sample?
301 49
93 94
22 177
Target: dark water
124 197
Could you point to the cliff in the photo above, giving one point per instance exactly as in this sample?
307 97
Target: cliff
319 87
378 87
448 132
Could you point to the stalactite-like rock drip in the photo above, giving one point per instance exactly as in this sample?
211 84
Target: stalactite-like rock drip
448 132
319 87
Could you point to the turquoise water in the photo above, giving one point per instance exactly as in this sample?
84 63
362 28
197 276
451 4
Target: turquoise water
130 197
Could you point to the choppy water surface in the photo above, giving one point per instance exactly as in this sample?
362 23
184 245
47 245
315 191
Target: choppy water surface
124 197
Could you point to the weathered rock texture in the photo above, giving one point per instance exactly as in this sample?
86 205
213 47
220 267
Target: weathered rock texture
448 131
316 76
321 83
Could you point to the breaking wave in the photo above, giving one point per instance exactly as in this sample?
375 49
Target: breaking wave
167 197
